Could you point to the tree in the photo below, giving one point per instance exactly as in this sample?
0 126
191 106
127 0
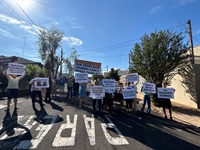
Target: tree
95 77
49 42
113 74
31 70
159 56
69 62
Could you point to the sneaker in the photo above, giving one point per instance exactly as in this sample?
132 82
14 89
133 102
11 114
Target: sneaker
171 118
16 108
7 110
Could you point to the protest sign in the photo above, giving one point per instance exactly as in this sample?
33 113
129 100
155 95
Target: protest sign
41 82
117 88
165 93
149 88
129 93
87 67
97 91
15 68
109 84
132 77
81 77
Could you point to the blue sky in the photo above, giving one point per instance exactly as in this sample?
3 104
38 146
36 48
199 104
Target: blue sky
100 30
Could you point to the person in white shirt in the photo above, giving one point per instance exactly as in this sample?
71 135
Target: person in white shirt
12 88
35 91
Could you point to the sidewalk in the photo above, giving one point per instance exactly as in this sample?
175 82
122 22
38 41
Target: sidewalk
180 113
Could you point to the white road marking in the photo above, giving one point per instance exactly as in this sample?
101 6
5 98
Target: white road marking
90 130
43 130
66 141
113 140
4 106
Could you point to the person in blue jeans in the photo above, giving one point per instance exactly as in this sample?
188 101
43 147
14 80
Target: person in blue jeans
147 99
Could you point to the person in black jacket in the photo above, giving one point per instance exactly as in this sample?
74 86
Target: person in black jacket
48 91
75 91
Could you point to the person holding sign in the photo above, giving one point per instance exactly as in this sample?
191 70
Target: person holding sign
97 99
13 88
147 99
129 100
166 103
134 86
35 91
82 94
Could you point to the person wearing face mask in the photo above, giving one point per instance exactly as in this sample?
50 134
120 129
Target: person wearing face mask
12 88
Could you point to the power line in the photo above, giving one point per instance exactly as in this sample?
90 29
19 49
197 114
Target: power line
26 14
14 14
116 45
107 56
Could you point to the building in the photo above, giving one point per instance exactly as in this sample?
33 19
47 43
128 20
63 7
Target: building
187 83
4 60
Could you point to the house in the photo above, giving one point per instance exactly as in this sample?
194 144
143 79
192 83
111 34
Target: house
4 60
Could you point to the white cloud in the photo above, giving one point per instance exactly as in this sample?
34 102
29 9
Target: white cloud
73 41
10 20
5 33
183 2
155 9
31 29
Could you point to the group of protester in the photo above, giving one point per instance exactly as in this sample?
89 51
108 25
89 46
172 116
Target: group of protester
74 92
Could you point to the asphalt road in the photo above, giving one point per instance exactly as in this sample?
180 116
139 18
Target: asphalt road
61 125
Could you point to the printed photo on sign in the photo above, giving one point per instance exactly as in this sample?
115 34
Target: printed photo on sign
132 77
87 67
15 68
81 77
109 84
165 93
97 91
129 93
149 88
41 82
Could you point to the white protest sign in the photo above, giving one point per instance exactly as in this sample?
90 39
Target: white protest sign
165 93
15 68
129 93
149 88
97 91
41 82
109 84
87 67
81 77
132 77
117 88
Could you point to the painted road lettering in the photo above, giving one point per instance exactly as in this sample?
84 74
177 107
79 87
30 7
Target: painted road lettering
113 140
43 130
90 130
66 141
50 120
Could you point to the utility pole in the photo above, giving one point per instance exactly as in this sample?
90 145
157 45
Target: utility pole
195 66
190 41
61 57
107 68
129 60
24 46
